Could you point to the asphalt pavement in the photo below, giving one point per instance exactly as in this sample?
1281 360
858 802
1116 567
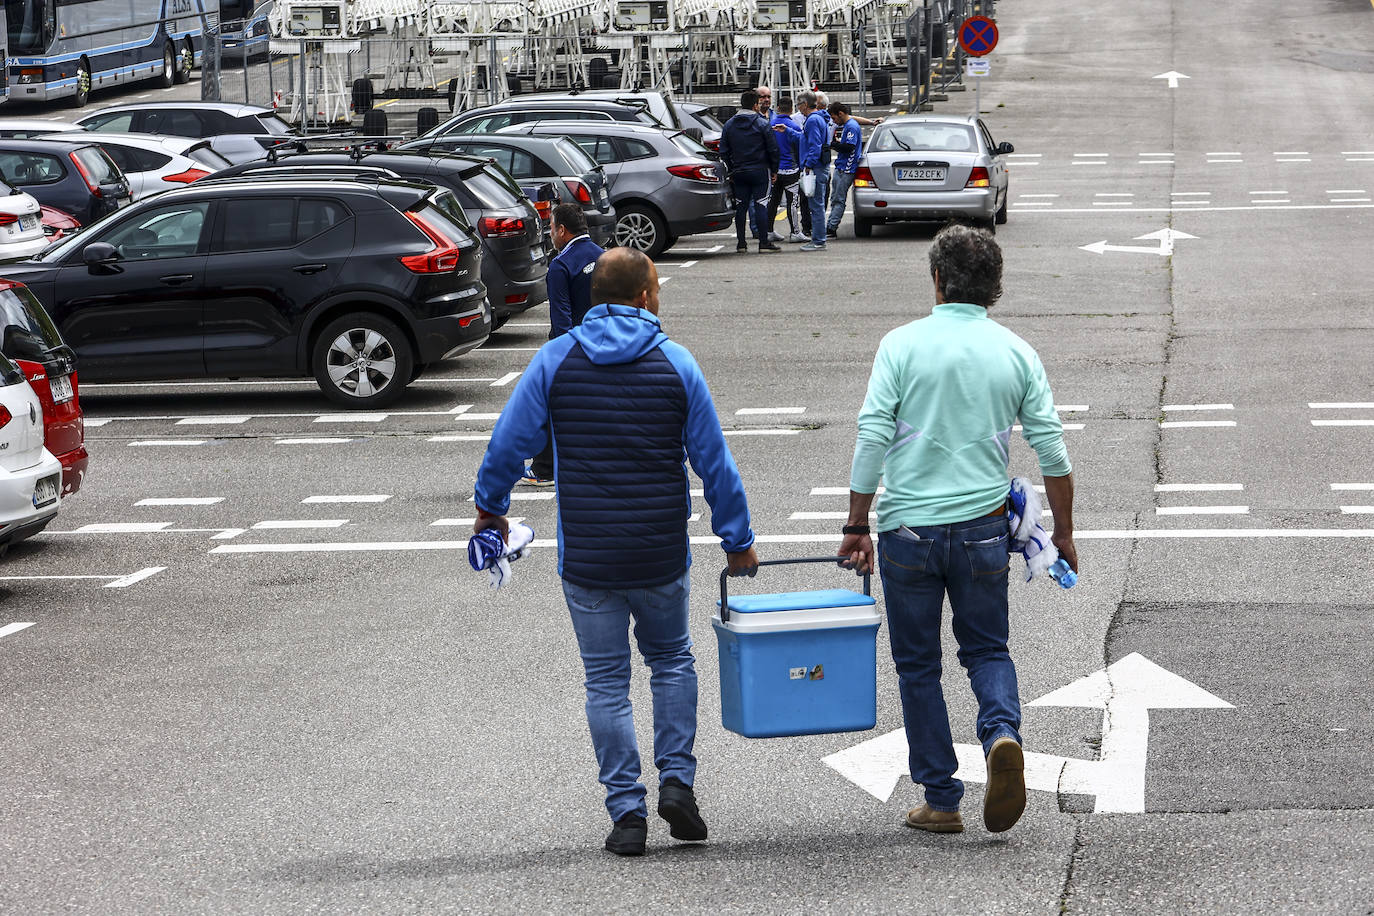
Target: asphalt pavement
277 687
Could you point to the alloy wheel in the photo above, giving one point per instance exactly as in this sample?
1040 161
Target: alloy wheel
636 230
361 362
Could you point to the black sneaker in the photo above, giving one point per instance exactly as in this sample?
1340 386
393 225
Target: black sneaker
628 836
768 246
742 246
678 806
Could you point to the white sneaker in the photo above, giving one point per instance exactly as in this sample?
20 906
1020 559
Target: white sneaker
798 237
774 237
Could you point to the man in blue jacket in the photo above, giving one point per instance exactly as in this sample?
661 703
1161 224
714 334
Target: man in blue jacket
626 405
850 149
569 283
750 151
815 160
789 145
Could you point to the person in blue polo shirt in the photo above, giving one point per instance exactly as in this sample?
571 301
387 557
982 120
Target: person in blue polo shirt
849 149
569 283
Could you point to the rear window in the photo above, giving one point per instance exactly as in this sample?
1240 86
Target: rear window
266 122
704 117
10 374
31 168
953 138
28 333
492 192
439 212
575 156
691 146
202 153
99 167
447 204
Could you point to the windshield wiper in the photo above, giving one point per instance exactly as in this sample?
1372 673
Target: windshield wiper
900 142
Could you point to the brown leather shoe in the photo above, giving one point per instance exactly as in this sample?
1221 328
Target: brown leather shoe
1006 795
927 818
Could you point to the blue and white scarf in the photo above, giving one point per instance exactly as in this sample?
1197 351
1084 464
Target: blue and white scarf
1026 535
488 552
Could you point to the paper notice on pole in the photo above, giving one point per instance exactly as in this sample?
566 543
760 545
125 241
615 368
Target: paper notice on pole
977 67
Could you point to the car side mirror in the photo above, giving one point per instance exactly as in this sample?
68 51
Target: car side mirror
100 254
1005 148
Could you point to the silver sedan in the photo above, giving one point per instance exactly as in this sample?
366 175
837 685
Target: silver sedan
931 167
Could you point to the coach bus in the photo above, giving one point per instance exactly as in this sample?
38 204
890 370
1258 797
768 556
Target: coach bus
65 48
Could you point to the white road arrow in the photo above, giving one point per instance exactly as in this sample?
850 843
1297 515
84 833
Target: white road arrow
1165 247
1125 692
1173 76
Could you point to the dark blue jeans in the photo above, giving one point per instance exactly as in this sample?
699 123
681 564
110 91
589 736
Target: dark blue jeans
969 561
601 618
751 191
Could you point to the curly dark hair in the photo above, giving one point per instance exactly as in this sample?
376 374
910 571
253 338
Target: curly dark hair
970 265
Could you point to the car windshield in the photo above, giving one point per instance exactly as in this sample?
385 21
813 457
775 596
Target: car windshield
574 155
28 332
927 137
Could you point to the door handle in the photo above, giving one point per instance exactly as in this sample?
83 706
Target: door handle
177 279
308 269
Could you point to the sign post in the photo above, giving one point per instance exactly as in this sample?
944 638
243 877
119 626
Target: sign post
977 36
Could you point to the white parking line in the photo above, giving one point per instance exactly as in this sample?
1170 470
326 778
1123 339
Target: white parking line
1357 510
750 411
1170 407
1029 196
1091 155
1197 487
369 498
10 629
465 522
1191 194
132 578
350 418
505 379
1222 161
1350 200
1112 194
313 440
1347 191
173 442
1274 193
472 438
1071 408
1343 422
822 516
1202 510
123 527
200 421
180 501
300 523
1341 405
1195 424
763 432
1353 486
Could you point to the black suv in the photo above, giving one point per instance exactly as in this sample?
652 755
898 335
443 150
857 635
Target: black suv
516 261
362 283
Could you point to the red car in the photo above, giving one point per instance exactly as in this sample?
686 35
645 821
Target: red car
58 223
28 337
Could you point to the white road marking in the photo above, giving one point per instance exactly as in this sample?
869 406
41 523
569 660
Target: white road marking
822 516
180 501
461 408
1346 191
1350 200
1273 193
663 280
505 380
750 411
474 438
763 432
1353 486
1071 408
200 421
350 418
1292 160
1154 154
10 629
367 498
1155 162
1223 153
1357 510
1170 407
540 496
1343 422
1202 510
1235 209
1358 152
1031 203
300 523
1197 487
1089 162
1029 196
1112 203
313 440
174 442
1191 194
505 350
839 491
468 522
1091 155
1341 405
1222 161
132 578
1105 194
1024 155
1195 424
1370 159
89 422
1068 427
228 534
481 416
123 527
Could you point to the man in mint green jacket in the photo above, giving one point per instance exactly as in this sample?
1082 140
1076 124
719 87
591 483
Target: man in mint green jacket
936 427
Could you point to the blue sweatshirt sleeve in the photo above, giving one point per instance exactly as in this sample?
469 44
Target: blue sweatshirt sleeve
770 146
521 430
560 299
710 456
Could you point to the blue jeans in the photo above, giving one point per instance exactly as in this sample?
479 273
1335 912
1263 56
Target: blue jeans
601 619
969 561
817 201
751 197
839 193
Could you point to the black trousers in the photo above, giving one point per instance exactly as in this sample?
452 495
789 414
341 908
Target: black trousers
787 186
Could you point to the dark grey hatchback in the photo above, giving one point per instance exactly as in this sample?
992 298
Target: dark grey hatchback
360 283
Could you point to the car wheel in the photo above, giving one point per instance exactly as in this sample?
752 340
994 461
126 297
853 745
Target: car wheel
362 361
418 371
168 77
498 321
1001 217
863 228
670 242
83 84
185 62
642 229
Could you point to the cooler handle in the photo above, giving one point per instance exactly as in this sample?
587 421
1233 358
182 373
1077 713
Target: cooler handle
725 578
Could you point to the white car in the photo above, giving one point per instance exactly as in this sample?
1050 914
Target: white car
153 163
32 128
30 477
21 224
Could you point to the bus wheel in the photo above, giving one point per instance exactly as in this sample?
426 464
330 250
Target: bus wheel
169 67
83 84
185 61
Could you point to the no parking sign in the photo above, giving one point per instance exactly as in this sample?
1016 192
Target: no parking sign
978 36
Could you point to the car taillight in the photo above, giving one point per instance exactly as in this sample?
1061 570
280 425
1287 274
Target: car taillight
579 190
5 416
863 178
500 226
187 176
544 209
8 219
441 259
517 298
86 176
712 145
695 172
978 178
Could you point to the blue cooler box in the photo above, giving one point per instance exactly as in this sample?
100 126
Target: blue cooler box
798 663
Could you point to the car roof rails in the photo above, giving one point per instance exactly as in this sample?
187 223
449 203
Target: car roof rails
356 145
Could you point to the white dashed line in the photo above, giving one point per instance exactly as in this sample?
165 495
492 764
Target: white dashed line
1198 487
350 418
1222 161
1143 155
505 380
1091 155
1071 408
313 440
132 578
1278 193
1103 194
1191 194
1090 162
10 629
1341 405
1357 510
1032 203
180 501
203 421
1292 160
1170 407
472 438
1195 424
366 498
1350 200
1346 191
1353 486
1343 422
1029 196
1202 510
123 527
153 442
754 411
762 432
300 523
822 516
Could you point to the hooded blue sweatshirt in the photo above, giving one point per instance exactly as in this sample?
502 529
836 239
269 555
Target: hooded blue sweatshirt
626 406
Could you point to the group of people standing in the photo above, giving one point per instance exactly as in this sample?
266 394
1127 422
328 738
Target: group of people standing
806 157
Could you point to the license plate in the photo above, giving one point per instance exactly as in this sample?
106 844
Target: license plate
31 221
924 174
536 252
61 389
45 492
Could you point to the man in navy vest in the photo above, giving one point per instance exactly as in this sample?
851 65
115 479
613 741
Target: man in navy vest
627 408
570 298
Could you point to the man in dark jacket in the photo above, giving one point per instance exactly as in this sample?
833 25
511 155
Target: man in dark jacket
623 506
750 151
570 298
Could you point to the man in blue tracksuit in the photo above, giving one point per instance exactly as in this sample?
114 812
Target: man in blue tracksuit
750 151
569 283
815 160
626 405
789 171
849 149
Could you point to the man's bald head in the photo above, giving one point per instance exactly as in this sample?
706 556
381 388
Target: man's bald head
625 276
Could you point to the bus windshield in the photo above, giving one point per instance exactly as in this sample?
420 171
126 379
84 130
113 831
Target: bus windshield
31 24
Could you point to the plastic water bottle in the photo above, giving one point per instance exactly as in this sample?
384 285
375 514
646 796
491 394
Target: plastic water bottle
1062 575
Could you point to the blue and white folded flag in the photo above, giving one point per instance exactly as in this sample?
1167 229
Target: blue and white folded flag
1026 535
488 552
